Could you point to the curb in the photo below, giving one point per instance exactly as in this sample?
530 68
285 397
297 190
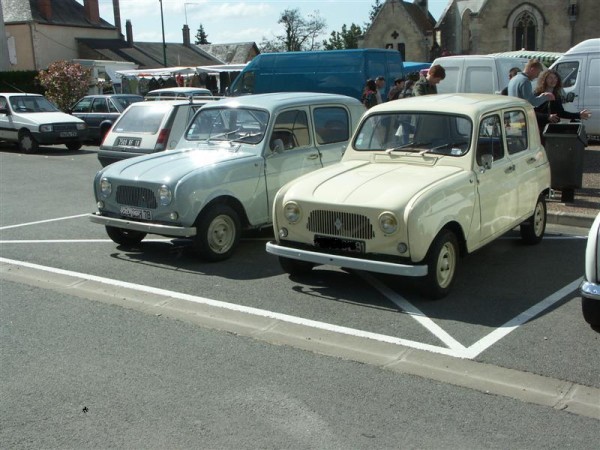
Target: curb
570 219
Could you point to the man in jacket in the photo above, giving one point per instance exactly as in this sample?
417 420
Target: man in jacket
428 85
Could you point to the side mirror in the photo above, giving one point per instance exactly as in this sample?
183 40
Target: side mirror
486 161
570 97
5 111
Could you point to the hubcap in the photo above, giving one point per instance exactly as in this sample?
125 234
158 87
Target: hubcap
446 265
221 234
538 219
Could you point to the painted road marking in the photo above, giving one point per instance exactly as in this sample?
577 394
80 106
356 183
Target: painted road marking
42 221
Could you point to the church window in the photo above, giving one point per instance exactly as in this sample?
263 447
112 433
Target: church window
525 32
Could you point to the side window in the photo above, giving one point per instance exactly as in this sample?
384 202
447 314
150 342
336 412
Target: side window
568 72
490 139
83 106
290 131
99 105
332 124
515 127
111 107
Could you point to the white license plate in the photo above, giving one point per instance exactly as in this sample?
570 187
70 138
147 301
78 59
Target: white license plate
68 134
136 213
128 142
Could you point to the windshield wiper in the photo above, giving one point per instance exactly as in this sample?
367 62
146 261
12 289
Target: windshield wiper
248 135
225 134
449 144
414 145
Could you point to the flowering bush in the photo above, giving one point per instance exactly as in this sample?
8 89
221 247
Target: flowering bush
65 82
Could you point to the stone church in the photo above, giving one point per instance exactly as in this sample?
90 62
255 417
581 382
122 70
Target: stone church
482 27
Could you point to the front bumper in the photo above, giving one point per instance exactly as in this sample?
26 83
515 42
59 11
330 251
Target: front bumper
590 290
407 270
54 137
152 228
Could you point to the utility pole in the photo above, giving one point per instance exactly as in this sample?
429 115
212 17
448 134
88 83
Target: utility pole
162 22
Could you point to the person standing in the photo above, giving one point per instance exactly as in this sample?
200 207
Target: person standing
369 96
511 73
380 83
427 85
397 89
520 84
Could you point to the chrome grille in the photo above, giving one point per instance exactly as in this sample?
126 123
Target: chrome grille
334 223
136 196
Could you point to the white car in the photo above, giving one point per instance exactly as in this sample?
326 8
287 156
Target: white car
30 120
237 153
590 287
177 93
148 127
423 181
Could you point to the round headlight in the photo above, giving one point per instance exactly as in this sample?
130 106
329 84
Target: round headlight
164 195
105 187
388 223
291 211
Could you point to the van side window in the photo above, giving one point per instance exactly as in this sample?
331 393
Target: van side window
332 124
568 72
515 127
490 139
291 127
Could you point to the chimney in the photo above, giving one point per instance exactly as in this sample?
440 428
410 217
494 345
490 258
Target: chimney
117 12
186 35
45 8
129 33
91 10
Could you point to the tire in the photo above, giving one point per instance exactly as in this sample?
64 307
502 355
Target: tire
532 230
294 266
442 265
74 146
218 233
591 311
27 143
124 237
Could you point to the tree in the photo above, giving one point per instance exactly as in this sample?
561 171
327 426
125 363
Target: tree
344 39
299 33
375 8
65 82
201 36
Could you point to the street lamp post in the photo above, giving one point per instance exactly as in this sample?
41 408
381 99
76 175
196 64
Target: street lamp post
162 22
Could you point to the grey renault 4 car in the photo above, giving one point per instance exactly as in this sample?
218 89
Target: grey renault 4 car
222 178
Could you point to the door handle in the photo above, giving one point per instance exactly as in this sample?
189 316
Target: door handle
531 160
313 156
509 169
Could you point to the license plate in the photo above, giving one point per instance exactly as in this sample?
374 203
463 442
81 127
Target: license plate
136 213
346 245
128 142
68 134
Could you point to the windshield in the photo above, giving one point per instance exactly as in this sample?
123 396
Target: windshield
31 103
418 132
228 124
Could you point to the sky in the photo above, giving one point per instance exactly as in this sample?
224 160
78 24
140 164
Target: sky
233 21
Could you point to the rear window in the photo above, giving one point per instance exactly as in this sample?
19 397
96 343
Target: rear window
142 120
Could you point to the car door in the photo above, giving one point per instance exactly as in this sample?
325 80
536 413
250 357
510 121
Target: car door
332 132
291 151
99 112
4 119
497 185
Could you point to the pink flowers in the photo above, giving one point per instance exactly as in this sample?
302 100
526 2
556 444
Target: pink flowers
65 83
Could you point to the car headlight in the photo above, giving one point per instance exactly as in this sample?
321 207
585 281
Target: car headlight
81 126
164 195
46 128
388 223
105 187
291 211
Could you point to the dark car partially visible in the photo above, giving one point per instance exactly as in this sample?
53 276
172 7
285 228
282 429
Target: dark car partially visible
99 112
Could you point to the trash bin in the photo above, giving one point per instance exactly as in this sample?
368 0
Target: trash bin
565 144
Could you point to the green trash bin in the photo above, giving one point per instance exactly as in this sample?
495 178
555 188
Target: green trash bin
565 144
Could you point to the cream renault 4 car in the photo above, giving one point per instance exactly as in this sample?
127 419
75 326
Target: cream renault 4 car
235 155
423 181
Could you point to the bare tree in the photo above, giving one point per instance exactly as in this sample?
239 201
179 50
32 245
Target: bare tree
300 33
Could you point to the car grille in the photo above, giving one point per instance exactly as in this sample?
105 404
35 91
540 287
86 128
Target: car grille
334 223
64 127
136 196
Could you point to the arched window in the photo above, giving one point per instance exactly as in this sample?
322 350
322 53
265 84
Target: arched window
525 30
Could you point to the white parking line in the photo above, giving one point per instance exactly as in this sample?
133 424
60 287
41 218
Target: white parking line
42 221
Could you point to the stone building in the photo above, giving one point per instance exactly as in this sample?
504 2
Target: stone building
490 26
405 26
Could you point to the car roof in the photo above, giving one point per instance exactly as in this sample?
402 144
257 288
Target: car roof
283 99
179 89
11 94
469 104
113 95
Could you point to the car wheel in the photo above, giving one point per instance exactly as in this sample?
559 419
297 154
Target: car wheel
74 146
294 266
532 230
591 311
27 142
442 264
125 237
218 233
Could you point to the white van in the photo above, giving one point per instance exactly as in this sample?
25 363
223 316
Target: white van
579 70
482 74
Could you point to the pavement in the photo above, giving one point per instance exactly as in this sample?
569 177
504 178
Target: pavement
582 211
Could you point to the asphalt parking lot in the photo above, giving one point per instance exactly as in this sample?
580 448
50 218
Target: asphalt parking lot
514 307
